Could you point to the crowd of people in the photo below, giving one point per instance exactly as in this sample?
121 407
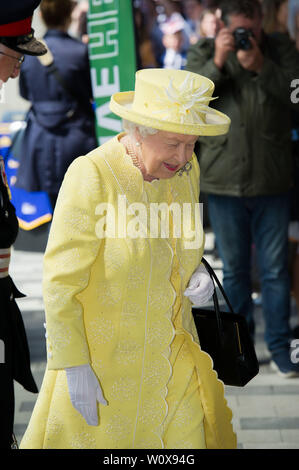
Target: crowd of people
171 26
248 50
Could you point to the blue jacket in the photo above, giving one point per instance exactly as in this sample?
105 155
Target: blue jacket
60 127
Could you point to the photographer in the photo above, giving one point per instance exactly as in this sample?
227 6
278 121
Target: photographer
247 174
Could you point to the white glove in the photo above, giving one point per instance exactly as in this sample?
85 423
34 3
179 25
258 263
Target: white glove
85 390
201 287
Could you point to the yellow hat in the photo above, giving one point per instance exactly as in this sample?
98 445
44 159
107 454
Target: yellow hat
173 101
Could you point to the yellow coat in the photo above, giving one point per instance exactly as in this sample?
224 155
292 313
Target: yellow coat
118 304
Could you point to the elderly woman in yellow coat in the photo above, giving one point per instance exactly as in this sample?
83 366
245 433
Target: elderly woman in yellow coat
125 369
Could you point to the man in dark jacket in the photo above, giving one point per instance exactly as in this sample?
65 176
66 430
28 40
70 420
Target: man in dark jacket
248 173
61 121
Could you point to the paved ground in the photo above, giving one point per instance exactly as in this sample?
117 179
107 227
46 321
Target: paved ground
266 411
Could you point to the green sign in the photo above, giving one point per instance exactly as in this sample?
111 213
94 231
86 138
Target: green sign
112 58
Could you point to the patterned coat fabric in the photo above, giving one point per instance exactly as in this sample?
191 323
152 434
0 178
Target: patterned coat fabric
118 304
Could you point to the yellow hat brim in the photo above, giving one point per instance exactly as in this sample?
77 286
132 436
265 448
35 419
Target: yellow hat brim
217 123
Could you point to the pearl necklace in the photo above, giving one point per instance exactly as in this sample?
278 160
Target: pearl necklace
132 153
134 156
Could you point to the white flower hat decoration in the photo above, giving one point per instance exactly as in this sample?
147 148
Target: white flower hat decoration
173 101
190 104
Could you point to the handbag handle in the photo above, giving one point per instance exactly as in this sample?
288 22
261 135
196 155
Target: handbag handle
214 277
215 297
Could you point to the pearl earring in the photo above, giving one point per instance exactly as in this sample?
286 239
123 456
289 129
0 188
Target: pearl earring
138 144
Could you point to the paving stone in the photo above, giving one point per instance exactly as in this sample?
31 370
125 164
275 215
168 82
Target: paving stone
251 436
287 389
19 429
27 406
274 405
22 417
38 367
264 378
290 436
253 401
265 390
253 390
30 305
30 289
236 423
269 406
255 411
269 423
287 407
232 401
272 445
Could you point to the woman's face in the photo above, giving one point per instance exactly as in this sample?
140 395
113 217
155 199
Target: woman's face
164 153
209 25
173 41
282 15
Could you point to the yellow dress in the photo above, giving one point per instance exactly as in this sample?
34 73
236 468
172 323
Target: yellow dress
118 304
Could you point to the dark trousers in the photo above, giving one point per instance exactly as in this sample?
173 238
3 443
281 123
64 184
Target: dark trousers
238 222
7 406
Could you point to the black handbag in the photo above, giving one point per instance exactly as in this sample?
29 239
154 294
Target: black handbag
225 337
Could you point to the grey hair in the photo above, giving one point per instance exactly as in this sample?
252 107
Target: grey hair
130 128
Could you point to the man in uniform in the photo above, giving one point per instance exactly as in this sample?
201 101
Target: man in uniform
16 40
17 37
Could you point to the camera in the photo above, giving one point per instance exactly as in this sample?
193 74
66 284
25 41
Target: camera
242 40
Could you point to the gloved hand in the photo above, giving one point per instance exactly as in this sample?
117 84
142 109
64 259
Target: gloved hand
85 390
201 287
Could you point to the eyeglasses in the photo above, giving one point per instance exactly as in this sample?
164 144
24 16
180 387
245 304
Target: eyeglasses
20 60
